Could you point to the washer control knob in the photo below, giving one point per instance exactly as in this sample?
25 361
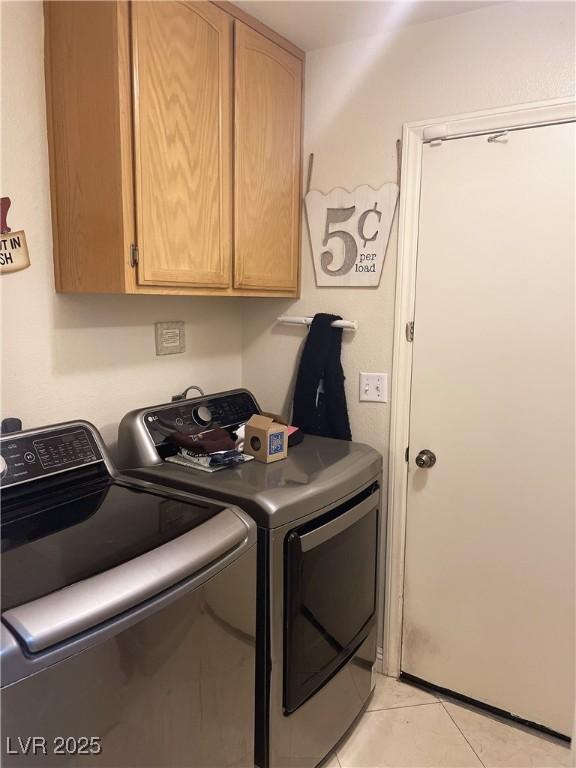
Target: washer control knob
203 416
3 466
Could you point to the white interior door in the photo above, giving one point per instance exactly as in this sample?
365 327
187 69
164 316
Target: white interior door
489 573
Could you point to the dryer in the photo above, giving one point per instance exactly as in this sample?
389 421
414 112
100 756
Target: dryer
319 515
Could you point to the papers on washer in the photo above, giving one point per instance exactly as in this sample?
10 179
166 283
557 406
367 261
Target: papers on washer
213 462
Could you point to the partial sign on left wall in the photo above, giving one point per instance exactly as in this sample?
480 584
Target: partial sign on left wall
13 247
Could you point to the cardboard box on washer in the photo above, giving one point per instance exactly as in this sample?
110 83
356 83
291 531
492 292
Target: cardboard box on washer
266 437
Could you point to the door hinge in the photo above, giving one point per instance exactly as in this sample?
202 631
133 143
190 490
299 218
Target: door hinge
134 255
410 331
407 454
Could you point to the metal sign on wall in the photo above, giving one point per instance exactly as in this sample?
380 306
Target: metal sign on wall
349 233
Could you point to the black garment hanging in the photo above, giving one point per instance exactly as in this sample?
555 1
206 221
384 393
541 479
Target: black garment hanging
319 397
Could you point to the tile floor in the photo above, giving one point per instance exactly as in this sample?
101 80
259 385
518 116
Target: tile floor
405 727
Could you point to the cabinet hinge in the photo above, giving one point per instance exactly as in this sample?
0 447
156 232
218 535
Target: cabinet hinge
134 255
410 331
406 454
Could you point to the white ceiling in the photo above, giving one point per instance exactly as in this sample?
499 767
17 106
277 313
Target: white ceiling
319 23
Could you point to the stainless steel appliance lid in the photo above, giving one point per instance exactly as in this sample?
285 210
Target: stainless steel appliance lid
316 473
76 533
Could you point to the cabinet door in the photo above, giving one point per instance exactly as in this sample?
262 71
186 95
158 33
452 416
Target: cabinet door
268 93
92 219
182 55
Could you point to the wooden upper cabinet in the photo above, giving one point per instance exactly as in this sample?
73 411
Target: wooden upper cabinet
91 194
174 141
267 169
182 55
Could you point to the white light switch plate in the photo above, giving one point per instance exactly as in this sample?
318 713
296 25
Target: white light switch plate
374 387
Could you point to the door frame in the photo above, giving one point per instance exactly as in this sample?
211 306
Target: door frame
414 136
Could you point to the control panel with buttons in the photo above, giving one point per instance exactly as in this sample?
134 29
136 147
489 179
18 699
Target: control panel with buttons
228 409
29 456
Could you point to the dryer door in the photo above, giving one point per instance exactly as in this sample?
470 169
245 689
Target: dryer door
330 594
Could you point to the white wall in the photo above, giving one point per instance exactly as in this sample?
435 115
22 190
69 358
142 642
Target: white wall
358 95
66 356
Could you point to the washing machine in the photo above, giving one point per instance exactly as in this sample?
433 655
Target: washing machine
128 614
318 514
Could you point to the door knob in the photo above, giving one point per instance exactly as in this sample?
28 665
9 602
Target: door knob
425 459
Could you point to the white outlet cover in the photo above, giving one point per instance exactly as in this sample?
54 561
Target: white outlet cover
373 387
